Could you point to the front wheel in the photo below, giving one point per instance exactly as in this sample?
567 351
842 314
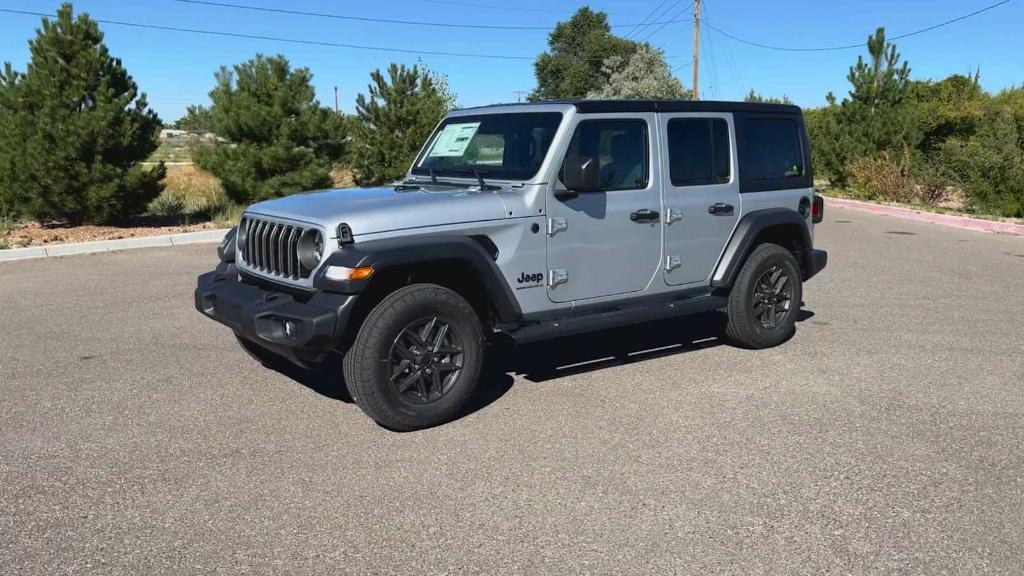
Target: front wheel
765 299
417 358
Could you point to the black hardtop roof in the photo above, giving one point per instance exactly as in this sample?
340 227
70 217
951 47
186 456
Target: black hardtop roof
595 106
603 106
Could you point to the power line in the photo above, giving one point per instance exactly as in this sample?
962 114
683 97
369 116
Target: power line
859 45
663 13
649 14
382 20
517 8
306 42
678 19
729 60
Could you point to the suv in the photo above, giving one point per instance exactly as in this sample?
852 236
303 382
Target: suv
533 221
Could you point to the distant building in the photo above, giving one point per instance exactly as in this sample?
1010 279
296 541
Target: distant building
170 134
174 134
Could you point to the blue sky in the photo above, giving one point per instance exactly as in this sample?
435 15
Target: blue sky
176 69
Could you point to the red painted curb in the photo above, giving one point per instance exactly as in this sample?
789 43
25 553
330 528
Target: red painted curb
953 221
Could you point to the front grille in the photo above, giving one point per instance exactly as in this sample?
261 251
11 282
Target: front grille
272 248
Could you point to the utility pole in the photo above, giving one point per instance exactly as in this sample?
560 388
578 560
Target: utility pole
336 100
519 94
696 47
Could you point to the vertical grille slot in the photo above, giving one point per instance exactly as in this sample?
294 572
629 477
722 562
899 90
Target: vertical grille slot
272 248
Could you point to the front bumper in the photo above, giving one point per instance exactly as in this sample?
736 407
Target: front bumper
301 329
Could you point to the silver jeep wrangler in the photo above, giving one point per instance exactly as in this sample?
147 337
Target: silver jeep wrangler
534 221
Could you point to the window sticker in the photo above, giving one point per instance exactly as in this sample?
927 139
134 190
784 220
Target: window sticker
453 140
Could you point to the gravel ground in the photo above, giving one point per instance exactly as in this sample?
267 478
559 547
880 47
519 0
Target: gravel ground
885 438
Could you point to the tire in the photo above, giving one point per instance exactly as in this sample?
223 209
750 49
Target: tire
770 274
390 370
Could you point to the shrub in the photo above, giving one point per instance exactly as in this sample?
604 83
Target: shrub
990 165
165 205
881 178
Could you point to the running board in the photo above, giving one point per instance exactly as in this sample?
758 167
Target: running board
611 318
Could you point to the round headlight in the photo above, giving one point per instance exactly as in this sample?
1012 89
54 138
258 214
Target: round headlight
311 248
242 235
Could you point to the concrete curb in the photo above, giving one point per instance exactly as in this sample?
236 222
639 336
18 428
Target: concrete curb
183 239
950 220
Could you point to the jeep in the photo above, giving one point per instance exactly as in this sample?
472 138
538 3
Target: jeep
532 221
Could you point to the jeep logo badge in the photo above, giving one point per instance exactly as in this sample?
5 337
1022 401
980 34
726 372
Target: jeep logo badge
534 278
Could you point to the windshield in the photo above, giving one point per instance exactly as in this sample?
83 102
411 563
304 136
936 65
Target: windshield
508 146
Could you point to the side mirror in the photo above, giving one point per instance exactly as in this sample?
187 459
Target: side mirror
581 174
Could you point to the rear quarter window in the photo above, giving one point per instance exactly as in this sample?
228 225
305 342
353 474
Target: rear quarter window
773 155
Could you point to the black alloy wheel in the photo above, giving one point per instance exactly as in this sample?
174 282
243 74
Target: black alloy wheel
773 297
425 360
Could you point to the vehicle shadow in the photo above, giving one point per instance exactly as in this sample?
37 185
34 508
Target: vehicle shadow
552 359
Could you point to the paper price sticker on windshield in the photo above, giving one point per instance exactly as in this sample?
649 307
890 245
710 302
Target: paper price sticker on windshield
454 139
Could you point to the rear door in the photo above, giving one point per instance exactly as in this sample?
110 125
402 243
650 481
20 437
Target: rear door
607 242
702 197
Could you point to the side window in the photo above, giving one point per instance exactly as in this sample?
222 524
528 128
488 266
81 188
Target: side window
619 146
771 149
698 151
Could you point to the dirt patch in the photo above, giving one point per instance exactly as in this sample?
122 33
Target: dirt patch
36 234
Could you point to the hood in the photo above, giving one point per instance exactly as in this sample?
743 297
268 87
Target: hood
370 210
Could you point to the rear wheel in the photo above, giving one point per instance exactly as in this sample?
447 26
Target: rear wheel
765 299
417 358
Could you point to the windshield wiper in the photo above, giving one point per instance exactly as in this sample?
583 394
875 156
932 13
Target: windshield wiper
471 172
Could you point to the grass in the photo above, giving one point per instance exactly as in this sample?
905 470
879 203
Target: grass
7 224
190 191
228 215
171 150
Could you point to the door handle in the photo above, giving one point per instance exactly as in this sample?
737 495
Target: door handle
644 216
720 209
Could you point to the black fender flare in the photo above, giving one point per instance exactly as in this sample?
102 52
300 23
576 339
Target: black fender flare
394 252
747 231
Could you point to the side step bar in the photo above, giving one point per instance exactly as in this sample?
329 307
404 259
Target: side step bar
611 318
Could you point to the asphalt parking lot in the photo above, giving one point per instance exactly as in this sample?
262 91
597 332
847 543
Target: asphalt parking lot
886 437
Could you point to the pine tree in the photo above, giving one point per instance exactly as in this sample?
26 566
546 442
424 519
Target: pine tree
279 139
876 119
197 118
394 121
883 81
10 195
757 97
75 128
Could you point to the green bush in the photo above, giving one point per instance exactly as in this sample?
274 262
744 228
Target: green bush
989 165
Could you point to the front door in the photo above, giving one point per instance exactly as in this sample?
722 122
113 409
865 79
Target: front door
702 199
607 242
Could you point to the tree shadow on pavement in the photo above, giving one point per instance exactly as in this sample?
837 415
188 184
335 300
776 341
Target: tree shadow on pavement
556 358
